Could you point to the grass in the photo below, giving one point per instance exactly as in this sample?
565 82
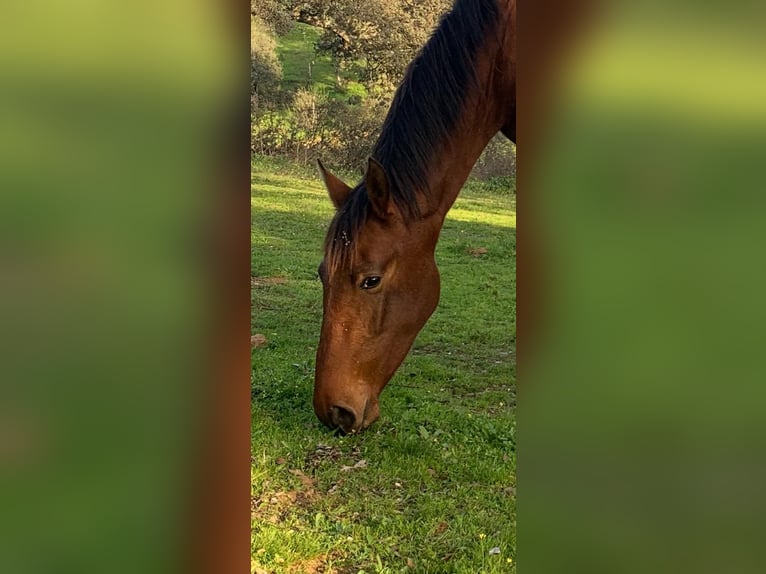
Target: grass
302 67
436 490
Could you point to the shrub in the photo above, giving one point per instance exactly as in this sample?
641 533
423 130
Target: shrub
265 68
497 160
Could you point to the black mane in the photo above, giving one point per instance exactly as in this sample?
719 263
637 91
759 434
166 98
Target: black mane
423 115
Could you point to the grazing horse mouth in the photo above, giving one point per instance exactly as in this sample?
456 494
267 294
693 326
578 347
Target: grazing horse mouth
344 420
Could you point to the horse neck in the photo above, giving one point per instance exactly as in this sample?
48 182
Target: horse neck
489 109
456 164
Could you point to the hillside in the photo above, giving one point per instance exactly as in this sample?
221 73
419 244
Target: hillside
303 68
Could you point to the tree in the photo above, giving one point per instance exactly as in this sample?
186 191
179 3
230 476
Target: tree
265 68
275 14
375 38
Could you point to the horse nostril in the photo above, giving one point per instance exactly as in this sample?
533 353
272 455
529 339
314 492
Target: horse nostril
343 418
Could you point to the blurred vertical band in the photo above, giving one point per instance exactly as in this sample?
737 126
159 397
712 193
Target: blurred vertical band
124 226
220 537
546 34
642 317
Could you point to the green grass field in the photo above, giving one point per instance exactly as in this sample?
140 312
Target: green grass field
430 487
302 67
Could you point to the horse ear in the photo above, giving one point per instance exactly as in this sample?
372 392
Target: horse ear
376 182
337 190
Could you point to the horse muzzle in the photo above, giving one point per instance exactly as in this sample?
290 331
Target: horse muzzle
346 418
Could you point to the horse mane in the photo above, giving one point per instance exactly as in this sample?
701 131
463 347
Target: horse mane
423 114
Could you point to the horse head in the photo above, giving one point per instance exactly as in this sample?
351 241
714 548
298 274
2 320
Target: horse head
381 285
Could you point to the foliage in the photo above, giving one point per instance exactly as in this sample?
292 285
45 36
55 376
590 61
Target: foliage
436 490
375 39
274 14
322 85
355 129
316 126
498 159
265 67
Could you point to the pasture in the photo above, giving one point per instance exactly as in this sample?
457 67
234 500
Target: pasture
304 67
430 487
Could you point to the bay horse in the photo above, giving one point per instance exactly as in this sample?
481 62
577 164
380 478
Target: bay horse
379 277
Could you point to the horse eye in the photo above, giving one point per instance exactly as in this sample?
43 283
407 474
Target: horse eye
370 282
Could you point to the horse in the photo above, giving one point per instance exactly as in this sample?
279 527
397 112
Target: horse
379 276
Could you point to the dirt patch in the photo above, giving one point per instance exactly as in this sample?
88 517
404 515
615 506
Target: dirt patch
315 565
319 564
274 507
360 464
259 282
323 454
478 251
308 482
258 340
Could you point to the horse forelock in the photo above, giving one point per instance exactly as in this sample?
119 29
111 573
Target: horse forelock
340 242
